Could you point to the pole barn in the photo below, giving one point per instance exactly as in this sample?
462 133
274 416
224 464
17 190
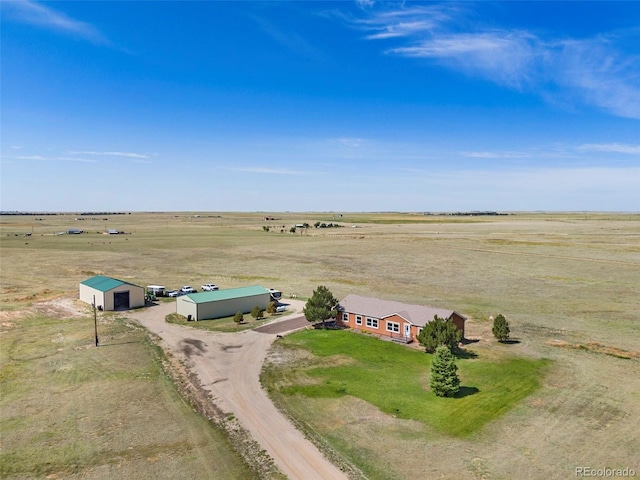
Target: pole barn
111 293
222 303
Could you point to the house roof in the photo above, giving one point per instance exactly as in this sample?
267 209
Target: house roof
226 294
418 315
104 284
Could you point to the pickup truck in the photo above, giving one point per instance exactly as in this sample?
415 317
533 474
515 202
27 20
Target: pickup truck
188 289
208 287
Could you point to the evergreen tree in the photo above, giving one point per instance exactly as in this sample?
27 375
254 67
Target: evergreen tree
271 308
500 328
238 317
321 306
439 332
444 381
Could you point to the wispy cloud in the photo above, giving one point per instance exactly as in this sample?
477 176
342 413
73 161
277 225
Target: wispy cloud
591 71
112 154
271 171
55 159
34 13
496 154
611 147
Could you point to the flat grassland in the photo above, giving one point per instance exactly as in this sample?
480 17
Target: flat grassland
567 283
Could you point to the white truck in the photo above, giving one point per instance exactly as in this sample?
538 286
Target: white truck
209 287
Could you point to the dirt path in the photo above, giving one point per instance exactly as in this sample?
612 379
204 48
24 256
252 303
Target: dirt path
228 365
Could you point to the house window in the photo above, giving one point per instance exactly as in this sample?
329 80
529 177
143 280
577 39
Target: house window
372 322
345 317
393 327
358 320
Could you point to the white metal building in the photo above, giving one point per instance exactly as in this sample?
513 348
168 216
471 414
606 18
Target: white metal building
111 293
222 303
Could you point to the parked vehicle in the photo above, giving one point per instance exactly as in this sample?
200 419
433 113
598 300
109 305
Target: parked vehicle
275 294
188 289
156 290
208 287
281 308
172 293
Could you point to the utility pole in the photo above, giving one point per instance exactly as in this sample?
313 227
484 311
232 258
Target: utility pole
95 319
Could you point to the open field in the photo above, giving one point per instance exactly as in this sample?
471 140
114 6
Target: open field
71 410
558 278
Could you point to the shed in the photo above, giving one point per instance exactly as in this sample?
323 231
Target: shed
111 293
222 303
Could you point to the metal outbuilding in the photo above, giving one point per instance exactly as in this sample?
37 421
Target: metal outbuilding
111 293
222 303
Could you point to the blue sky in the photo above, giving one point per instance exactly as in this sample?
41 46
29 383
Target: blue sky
320 106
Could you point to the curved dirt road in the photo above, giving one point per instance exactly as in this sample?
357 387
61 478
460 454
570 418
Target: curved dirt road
228 365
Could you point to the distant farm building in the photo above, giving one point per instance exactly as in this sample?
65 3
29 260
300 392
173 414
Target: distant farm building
111 293
222 303
399 321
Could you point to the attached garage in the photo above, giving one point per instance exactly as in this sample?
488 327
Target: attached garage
111 293
222 303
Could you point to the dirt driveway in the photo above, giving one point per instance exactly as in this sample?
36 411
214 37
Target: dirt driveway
228 365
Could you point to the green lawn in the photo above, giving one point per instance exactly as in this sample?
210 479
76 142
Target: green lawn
394 378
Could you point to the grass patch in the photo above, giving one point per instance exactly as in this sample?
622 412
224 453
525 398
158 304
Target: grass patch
597 348
225 324
69 408
395 378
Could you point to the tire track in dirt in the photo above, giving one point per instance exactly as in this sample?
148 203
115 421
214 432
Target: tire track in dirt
228 366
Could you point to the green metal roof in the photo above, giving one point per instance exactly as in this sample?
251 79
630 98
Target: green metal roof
104 284
226 294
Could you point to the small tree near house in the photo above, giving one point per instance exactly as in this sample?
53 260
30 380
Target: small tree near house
321 306
444 381
238 317
257 312
271 308
438 332
500 328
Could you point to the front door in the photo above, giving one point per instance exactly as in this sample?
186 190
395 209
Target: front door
407 330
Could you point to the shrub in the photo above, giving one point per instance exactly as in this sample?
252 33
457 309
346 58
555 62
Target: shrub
271 308
439 332
238 317
257 312
500 328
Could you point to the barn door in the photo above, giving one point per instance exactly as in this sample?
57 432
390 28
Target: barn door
121 300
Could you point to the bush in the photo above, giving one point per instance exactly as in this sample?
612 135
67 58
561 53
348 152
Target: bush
238 317
500 328
439 332
271 308
257 312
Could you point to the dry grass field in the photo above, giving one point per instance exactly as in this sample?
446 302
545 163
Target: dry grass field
564 281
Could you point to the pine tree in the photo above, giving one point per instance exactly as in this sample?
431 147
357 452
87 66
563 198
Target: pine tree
438 332
500 328
321 305
444 381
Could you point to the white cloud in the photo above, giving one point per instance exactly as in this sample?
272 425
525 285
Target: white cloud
54 159
112 154
611 147
590 71
496 154
28 11
271 171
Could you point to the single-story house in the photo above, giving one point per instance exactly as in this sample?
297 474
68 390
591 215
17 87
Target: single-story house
111 293
397 320
222 303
